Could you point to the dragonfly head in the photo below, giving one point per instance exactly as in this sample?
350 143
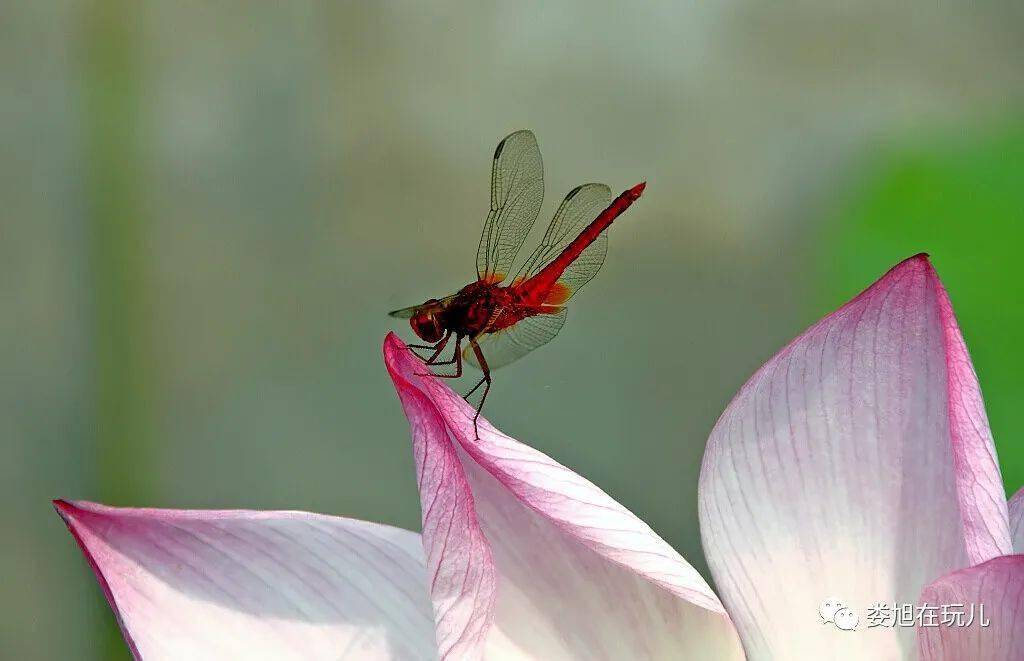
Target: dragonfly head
426 323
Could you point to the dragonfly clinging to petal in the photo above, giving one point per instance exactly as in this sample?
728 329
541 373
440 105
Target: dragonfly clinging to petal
501 322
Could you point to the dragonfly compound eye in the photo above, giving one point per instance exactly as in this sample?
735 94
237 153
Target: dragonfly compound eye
427 326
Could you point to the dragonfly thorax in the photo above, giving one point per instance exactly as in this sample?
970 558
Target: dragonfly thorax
470 312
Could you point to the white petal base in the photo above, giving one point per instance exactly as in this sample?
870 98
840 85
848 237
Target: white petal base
257 585
857 464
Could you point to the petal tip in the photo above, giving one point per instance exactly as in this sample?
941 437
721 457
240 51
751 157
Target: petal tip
921 262
67 509
393 348
390 342
76 509
394 351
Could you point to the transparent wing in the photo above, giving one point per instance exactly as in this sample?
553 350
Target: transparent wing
581 206
517 192
404 313
511 344
407 313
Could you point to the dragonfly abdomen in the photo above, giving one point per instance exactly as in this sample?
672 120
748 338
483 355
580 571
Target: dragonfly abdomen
543 287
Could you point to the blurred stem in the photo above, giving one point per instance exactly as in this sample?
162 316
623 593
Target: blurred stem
111 105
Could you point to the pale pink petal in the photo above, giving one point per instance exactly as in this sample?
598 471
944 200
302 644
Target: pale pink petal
983 508
529 559
1016 506
257 585
856 464
990 597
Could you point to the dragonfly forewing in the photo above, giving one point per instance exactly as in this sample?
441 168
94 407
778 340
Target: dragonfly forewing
517 192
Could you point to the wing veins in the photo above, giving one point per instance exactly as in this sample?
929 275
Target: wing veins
579 208
510 344
517 191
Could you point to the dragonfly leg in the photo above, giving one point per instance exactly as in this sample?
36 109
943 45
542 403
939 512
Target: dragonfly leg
456 358
455 355
413 349
437 348
485 381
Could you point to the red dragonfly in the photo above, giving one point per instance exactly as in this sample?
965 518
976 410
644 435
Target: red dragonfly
504 323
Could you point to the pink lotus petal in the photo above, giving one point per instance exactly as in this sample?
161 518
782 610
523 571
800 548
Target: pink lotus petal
991 592
856 464
528 557
1016 507
257 585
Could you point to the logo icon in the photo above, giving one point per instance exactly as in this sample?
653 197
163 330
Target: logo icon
828 609
834 611
846 619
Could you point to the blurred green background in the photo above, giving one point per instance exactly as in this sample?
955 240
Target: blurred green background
208 208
